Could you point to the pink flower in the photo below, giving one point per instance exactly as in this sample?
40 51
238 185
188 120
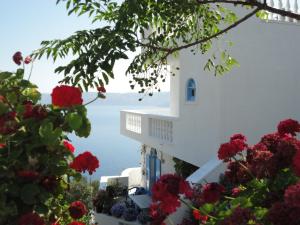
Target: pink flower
27 60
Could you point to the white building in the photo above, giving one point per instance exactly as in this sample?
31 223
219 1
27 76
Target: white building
206 110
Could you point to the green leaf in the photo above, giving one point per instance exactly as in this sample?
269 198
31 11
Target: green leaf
5 75
207 208
74 120
33 94
20 73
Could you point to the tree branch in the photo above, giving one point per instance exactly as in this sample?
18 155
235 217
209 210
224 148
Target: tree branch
218 33
172 50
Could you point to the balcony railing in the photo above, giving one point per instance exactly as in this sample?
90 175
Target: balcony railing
148 127
134 122
288 5
161 129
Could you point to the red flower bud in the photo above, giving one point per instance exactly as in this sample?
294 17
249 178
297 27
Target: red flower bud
17 58
27 60
101 89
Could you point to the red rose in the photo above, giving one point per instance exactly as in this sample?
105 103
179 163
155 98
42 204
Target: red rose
66 96
28 174
27 60
212 192
288 126
77 210
101 89
69 146
85 162
31 219
17 57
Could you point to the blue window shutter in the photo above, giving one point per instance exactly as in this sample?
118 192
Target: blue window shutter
191 90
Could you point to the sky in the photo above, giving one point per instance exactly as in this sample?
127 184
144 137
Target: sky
24 24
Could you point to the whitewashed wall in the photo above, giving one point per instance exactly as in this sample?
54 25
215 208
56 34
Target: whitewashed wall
251 99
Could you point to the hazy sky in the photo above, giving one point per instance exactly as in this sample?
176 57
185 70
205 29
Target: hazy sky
24 24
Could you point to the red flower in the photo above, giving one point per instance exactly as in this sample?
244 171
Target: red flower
288 126
292 195
157 215
2 145
235 191
230 149
28 174
212 192
31 111
170 184
281 213
76 223
238 137
17 57
198 216
8 124
166 191
296 163
69 146
66 96
263 164
27 60
236 173
77 210
101 89
31 219
85 162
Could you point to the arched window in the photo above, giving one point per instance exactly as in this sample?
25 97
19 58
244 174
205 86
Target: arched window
191 90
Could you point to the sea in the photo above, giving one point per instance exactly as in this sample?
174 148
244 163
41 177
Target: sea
114 151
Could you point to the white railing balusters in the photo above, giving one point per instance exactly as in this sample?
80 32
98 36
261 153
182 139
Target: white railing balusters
134 123
287 5
161 129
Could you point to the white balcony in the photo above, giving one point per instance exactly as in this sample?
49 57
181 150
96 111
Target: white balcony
152 126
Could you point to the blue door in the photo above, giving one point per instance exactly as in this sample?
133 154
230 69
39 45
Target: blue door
153 170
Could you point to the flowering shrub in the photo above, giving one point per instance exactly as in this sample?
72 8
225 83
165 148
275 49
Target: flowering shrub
36 159
261 184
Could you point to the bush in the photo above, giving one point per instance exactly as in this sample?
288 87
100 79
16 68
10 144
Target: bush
262 183
36 157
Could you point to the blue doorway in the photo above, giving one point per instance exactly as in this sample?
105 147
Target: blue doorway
153 165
